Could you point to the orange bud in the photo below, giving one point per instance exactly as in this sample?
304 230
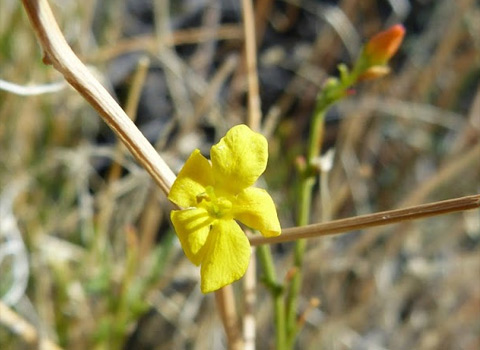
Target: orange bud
382 46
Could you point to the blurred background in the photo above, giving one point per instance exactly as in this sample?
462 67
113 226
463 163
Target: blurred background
87 255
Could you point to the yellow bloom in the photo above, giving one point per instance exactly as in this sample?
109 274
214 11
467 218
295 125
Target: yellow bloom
214 195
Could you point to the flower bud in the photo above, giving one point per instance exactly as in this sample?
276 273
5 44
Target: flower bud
382 46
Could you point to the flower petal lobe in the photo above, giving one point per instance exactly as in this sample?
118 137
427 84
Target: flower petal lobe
226 257
192 227
239 159
255 208
195 175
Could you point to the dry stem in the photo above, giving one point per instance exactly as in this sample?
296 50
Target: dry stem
226 306
60 55
254 112
180 37
13 321
372 220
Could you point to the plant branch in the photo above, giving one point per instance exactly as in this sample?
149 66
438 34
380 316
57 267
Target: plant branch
15 323
371 220
305 191
225 300
254 112
59 54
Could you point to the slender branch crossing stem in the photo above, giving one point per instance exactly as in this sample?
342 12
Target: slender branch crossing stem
372 220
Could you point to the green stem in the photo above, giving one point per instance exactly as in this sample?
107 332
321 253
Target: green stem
316 132
280 335
276 290
335 89
307 181
295 285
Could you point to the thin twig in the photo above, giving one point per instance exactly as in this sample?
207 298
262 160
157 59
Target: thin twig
372 220
444 175
249 300
225 296
254 112
131 107
181 37
225 299
18 325
206 101
60 55
254 118
204 54
31 90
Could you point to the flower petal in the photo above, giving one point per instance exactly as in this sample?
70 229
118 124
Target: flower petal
239 159
226 257
195 175
255 208
192 227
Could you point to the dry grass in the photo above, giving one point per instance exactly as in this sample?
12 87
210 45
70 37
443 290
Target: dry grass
86 254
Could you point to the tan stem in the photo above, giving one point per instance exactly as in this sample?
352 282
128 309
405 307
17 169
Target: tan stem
13 321
371 220
254 111
149 43
60 55
225 299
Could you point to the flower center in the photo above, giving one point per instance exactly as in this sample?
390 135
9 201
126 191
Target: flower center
217 207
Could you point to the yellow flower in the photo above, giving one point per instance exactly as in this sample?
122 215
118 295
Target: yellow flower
214 195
